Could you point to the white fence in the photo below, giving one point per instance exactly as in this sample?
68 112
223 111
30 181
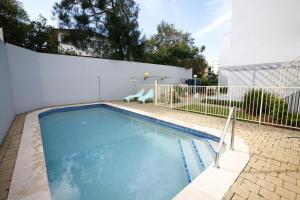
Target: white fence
272 105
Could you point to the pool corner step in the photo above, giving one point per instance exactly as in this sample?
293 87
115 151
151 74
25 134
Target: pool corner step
192 161
201 163
206 151
213 146
184 162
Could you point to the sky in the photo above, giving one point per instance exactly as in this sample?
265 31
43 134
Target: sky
206 20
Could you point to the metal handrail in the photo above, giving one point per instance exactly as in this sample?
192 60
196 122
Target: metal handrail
232 117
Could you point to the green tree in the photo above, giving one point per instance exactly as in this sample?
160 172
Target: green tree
174 47
20 31
12 20
115 21
40 37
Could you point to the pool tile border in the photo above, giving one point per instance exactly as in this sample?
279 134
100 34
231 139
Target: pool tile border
30 177
187 130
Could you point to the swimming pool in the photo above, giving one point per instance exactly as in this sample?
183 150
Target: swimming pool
102 152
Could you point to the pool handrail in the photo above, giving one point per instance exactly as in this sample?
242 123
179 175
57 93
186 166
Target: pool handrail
230 117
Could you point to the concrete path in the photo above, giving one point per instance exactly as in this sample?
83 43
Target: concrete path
8 154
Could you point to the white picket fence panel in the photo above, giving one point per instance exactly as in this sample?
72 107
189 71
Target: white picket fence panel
278 106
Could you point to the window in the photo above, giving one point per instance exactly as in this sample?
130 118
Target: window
94 44
62 38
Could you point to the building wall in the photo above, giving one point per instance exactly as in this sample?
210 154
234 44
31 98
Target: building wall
41 80
263 31
65 47
7 110
258 75
1 35
225 51
70 48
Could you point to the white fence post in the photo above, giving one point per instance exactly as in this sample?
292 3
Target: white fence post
171 96
230 98
187 97
156 92
261 105
206 91
99 83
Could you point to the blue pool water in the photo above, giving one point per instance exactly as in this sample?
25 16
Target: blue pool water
100 152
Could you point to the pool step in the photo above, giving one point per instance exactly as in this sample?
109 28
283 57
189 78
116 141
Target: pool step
214 145
184 162
200 160
206 151
193 162
196 155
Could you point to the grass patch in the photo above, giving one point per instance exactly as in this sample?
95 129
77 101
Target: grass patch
216 110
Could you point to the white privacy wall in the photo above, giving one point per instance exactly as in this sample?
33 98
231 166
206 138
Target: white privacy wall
41 80
26 78
7 110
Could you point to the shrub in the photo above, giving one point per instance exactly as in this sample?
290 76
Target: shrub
285 117
293 120
180 90
279 109
272 105
223 90
252 101
211 91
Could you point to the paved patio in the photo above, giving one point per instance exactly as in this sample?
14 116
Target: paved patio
273 171
8 154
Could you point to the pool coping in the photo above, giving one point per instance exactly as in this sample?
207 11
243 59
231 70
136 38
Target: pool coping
30 179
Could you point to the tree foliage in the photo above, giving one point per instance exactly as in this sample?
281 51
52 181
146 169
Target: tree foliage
114 21
12 20
20 31
40 37
174 47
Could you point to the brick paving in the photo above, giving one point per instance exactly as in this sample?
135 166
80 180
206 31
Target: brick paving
8 154
273 171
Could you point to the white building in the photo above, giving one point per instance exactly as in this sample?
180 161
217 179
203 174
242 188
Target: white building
265 34
1 35
68 48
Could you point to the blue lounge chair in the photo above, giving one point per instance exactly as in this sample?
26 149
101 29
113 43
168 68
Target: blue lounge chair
147 97
135 96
